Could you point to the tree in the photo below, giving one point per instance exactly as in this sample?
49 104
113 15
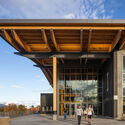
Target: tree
22 109
1 109
11 108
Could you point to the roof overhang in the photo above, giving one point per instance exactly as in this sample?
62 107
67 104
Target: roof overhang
63 38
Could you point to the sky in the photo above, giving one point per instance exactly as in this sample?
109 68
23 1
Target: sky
20 81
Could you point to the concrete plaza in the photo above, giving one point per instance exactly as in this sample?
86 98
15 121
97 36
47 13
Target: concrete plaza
44 120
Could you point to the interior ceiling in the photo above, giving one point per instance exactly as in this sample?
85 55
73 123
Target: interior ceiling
62 37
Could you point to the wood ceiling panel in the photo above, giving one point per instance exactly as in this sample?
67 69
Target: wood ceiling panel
69 47
28 31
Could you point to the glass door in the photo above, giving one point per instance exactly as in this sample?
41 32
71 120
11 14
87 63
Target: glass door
72 109
67 107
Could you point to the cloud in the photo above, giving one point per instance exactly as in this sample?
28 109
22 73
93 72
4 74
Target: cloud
76 9
17 86
69 16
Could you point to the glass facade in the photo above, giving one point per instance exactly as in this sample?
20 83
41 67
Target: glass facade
79 86
123 76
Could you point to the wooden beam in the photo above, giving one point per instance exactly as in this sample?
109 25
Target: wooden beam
43 69
116 39
89 39
19 41
45 39
64 27
100 45
62 60
68 47
50 72
81 40
122 43
55 87
7 37
54 40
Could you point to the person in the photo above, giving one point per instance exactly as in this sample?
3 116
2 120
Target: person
65 113
85 113
79 113
90 112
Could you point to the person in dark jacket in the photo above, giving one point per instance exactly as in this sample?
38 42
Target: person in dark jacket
65 113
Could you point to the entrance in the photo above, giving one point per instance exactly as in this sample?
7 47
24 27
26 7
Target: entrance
71 108
80 86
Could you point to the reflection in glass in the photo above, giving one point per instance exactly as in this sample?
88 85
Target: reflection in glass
79 86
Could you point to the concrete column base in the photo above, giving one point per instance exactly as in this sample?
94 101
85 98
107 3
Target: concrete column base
54 116
121 117
4 121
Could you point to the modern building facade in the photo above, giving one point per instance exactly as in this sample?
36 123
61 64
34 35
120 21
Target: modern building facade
84 60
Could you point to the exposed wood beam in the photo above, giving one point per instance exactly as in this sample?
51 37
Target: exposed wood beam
89 39
42 61
62 60
64 27
49 69
69 55
45 39
19 41
100 45
54 40
81 40
122 43
37 61
43 69
115 41
7 37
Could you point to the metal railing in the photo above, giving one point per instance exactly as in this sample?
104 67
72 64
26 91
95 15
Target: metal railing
14 114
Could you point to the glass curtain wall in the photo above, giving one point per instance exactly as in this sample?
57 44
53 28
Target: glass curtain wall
123 82
79 86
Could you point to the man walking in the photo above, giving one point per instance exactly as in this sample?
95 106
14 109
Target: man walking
79 113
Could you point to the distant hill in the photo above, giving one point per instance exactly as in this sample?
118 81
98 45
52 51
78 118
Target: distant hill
2 105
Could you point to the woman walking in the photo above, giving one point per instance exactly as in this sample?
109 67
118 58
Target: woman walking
90 112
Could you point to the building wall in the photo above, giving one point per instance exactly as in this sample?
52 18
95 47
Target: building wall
113 96
46 103
118 90
108 88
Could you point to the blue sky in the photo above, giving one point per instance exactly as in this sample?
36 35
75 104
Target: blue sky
21 82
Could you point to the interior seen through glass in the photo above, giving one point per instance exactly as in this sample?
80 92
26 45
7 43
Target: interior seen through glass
79 86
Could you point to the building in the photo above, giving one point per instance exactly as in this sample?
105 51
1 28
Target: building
84 60
46 103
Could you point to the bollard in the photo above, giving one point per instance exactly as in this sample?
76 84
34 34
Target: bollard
4 121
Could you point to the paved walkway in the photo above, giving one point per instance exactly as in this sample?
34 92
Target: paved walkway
43 120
